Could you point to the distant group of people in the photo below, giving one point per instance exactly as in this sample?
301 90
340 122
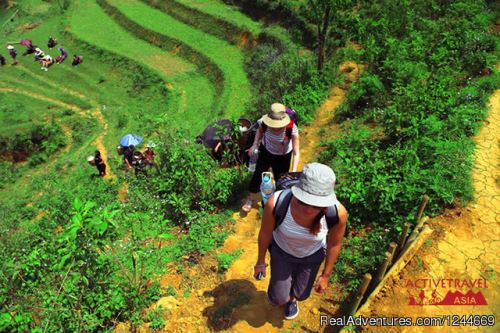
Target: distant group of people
139 161
44 59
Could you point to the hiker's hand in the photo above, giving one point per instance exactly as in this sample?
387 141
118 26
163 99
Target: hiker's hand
321 284
252 151
259 271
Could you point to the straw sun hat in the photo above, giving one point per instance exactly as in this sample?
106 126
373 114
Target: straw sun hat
277 117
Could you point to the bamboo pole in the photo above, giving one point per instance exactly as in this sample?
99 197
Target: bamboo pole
402 237
392 248
360 294
405 257
382 270
415 232
423 203
419 222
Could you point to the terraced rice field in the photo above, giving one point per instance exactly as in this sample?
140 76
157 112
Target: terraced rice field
201 75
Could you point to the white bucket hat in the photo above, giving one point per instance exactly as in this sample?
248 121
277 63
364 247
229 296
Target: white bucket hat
277 117
10 47
315 186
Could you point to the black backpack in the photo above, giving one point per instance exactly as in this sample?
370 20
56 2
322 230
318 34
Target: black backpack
284 184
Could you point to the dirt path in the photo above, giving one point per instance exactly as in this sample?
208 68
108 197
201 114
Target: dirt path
235 302
464 246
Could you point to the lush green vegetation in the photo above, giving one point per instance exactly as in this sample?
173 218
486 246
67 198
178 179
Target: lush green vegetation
75 258
407 122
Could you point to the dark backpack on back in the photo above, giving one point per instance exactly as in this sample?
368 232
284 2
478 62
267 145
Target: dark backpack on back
284 184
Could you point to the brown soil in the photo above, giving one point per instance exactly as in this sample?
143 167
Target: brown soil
27 27
235 301
245 39
463 246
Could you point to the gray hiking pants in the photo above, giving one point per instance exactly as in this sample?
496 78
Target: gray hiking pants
292 276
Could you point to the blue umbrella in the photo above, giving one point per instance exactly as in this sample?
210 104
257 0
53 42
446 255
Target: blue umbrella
130 139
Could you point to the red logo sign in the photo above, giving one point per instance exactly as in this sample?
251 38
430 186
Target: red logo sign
421 296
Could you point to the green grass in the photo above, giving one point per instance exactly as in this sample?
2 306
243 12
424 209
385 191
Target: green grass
15 112
226 56
194 92
221 10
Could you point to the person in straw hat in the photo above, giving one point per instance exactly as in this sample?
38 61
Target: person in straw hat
275 141
303 240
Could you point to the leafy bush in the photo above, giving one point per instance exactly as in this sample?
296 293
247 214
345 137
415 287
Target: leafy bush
279 71
360 254
225 259
39 142
193 184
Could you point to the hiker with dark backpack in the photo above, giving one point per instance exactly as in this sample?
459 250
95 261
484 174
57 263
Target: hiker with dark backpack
301 227
275 141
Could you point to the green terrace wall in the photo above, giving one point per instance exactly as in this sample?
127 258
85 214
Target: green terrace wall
202 62
212 25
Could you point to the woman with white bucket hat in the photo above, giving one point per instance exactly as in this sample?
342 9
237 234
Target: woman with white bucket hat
303 239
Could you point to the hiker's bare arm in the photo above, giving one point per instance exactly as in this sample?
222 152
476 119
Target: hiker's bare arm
296 152
333 245
256 141
266 231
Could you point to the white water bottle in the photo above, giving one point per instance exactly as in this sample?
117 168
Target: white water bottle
252 163
266 187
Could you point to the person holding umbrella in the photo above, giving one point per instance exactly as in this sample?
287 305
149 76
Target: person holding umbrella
129 142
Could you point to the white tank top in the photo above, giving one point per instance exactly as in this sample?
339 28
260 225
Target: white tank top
297 240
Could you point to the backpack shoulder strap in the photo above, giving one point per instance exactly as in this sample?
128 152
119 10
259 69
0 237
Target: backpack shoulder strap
281 206
289 129
332 216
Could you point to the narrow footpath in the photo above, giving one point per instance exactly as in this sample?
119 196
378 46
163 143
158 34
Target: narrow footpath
464 246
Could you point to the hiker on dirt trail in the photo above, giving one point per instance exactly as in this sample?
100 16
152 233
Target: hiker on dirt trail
46 62
77 59
63 56
275 140
13 53
2 60
302 240
99 163
52 42
128 157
